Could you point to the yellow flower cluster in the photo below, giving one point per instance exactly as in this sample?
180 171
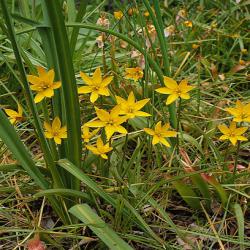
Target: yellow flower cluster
241 113
111 121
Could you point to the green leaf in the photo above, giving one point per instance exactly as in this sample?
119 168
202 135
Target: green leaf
72 108
240 221
63 192
79 174
188 195
99 227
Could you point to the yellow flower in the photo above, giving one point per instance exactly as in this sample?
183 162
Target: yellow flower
244 51
15 116
43 84
188 24
130 107
134 73
241 112
87 135
195 46
232 133
111 121
160 133
118 15
100 149
55 131
174 90
96 85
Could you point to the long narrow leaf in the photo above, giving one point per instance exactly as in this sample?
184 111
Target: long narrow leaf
99 227
72 109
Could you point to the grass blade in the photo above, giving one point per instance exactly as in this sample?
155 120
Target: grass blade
72 109
99 227
240 221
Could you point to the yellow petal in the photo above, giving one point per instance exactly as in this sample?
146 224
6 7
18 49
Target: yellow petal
47 126
49 77
57 140
121 129
104 156
56 124
20 109
39 97
106 81
224 129
97 76
149 131
102 114
57 85
185 96
155 140
48 135
109 130
48 92
11 113
84 90
140 104
131 98
86 78
141 113
33 79
233 140
242 138
41 71
99 142
164 90
120 100
170 83
95 124
240 131
165 142
103 91
171 98
94 96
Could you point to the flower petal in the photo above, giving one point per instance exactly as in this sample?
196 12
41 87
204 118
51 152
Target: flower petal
171 98
94 96
84 90
86 78
170 83
97 76
164 90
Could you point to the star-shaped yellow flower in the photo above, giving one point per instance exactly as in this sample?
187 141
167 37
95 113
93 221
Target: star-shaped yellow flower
134 73
111 121
174 90
160 133
96 85
43 84
241 112
232 133
87 135
118 15
130 107
55 131
100 149
15 116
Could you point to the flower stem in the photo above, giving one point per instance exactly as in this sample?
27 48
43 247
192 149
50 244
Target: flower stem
236 159
178 127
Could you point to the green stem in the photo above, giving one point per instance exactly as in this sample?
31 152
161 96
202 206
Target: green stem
178 128
72 109
236 160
